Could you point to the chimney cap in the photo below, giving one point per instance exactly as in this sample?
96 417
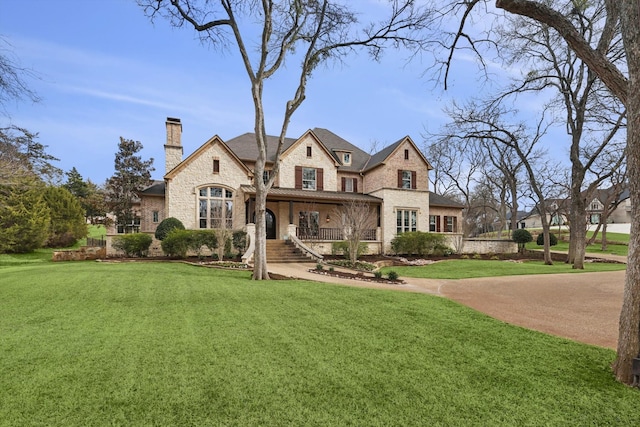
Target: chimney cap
173 120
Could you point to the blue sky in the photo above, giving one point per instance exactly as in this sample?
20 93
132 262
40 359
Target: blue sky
105 71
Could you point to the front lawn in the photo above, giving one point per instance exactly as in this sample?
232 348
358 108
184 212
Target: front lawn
90 343
469 268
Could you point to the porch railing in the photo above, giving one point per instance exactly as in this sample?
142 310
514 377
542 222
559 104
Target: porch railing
329 234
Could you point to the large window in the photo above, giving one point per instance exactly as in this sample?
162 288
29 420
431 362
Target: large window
406 220
215 205
309 178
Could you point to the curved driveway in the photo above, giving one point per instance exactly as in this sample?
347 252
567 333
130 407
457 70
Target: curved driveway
583 307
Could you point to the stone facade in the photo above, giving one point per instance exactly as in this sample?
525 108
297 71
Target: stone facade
216 164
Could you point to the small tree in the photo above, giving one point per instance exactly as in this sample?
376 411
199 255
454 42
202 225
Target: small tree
356 219
24 219
521 237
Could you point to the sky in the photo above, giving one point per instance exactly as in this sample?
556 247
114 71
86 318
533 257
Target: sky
105 71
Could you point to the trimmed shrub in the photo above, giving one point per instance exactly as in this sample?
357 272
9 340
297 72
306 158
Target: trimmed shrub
200 238
553 240
521 237
392 275
418 243
177 243
134 244
342 248
239 240
165 227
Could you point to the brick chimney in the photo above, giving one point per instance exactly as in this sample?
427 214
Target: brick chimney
173 148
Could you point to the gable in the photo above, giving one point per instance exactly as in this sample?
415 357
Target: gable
211 148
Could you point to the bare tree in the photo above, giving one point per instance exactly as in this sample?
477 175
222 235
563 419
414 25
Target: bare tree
12 84
592 116
356 219
476 122
311 32
624 82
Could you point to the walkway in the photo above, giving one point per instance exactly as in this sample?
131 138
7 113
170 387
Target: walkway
583 307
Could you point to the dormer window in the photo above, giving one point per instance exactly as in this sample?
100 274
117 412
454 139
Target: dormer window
346 158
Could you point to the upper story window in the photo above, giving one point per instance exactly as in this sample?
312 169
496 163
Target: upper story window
309 152
308 178
406 179
215 207
595 205
265 176
406 154
156 216
216 165
346 158
350 185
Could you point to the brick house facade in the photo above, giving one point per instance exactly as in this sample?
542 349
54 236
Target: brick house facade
319 171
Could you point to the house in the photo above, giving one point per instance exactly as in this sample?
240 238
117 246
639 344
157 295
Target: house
319 171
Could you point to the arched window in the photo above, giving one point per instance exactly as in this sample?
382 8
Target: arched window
215 207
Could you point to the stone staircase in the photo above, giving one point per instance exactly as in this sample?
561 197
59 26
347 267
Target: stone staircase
284 251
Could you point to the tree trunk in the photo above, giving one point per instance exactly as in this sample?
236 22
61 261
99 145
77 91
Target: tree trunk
629 332
604 234
260 270
578 235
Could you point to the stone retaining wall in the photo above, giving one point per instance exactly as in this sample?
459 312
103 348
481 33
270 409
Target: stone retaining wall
82 254
489 246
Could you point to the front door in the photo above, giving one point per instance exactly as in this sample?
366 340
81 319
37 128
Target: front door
270 222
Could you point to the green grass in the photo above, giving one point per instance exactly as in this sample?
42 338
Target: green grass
92 344
469 268
563 246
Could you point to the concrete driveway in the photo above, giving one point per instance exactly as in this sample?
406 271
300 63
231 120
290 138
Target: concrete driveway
584 307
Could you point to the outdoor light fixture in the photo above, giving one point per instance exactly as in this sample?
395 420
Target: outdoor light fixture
328 219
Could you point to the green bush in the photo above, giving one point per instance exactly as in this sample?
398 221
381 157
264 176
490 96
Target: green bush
377 274
521 237
392 275
134 244
200 238
553 240
165 227
342 248
239 240
24 219
418 243
178 242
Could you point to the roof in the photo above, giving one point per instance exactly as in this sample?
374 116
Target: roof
278 193
245 147
334 143
156 188
441 201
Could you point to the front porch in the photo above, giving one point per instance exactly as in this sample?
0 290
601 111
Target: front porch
313 217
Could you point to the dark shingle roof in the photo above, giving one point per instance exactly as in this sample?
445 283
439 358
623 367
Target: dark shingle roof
245 147
437 200
335 143
156 188
380 156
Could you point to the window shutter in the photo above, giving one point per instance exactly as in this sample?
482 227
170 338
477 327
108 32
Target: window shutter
298 178
355 185
343 183
455 224
399 178
413 179
319 179
438 229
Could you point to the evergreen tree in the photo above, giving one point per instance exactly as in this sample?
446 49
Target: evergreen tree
132 175
68 223
76 185
24 215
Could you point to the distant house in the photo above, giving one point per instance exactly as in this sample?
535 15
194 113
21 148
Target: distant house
319 171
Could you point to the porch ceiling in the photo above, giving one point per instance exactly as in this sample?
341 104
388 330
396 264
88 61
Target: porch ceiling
277 193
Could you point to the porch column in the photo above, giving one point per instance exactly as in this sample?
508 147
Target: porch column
290 211
291 230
